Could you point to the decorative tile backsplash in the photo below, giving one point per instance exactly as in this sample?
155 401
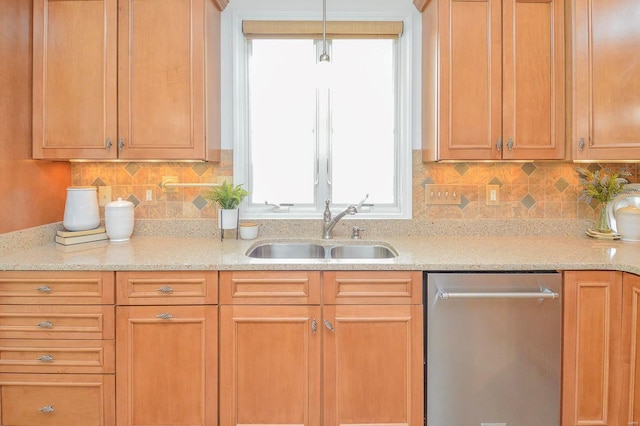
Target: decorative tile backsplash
545 190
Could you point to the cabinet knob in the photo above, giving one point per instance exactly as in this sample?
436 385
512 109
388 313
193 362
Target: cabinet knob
329 326
45 358
499 144
45 324
47 409
164 316
314 326
44 289
165 289
581 144
107 144
510 144
120 144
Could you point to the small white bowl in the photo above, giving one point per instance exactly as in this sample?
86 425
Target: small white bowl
249 230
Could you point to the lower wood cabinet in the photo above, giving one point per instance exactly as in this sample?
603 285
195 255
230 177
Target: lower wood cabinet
601 363
166 360
296 362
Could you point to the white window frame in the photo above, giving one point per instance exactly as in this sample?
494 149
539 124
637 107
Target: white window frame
237 81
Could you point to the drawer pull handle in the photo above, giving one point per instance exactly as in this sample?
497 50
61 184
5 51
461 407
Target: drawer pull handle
45 358
45 324
44 289
164 316
165 289
47 409
314 326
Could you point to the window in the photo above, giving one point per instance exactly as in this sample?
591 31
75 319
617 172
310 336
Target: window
306 132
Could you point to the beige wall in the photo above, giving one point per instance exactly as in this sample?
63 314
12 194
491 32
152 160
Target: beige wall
32 193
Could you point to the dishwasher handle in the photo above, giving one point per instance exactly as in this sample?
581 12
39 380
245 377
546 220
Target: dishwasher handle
545 293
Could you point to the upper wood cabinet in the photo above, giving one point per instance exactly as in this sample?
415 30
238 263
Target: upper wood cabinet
127 79
605 80
493 79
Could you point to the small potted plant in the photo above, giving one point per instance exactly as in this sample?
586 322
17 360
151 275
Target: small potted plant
228 197
602 185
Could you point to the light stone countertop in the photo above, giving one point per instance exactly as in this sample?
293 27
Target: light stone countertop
428 253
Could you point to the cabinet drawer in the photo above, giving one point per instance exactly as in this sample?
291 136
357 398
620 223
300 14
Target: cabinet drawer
167 288
270 287
373 287
57 399
56 322
57 287
57 356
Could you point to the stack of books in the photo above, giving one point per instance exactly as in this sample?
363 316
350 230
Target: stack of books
68 238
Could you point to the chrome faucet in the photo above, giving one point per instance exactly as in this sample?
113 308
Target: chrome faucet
330 222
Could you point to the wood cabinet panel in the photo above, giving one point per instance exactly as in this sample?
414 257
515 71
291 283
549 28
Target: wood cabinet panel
373 365
498 81
56 322
270 365
74 78
592 370
167 365
270 287
54 287
167 288
81 399
606 87
128 79
372 287
57 356
630 386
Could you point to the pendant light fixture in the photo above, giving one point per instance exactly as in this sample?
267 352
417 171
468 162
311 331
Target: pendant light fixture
324 56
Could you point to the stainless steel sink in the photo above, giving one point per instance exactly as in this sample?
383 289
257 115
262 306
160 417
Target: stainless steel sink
287 251
302 250
361 252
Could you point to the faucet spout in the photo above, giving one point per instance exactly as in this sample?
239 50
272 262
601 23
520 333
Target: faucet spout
330 222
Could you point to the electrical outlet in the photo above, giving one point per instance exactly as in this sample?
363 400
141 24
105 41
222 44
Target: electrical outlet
104 195
149 195
493 195
442 194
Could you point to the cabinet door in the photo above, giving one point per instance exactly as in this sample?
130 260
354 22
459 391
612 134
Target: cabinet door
592 369
533 79
470 49
166 359
631 350
373 365
57 399
606 86
161 90
74 79
270 365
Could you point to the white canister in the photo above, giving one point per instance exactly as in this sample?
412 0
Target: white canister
118 220
81 208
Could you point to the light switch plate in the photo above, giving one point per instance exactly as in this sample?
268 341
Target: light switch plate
442 194
104 195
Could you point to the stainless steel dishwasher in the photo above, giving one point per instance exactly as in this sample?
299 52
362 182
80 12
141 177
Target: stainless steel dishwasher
493 349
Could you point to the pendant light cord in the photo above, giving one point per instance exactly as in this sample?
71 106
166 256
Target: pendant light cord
324 57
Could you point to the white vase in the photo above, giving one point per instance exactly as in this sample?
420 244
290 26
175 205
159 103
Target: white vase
81 208
228 218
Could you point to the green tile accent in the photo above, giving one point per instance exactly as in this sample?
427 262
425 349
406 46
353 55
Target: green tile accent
561 184
132 168
200 202
528 201
461 168
528 168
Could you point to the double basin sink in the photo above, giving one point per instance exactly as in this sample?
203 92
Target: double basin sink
305 250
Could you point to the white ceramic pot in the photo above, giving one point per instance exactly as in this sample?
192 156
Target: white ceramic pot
118 220
81 208
248 231
228 218
628 222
